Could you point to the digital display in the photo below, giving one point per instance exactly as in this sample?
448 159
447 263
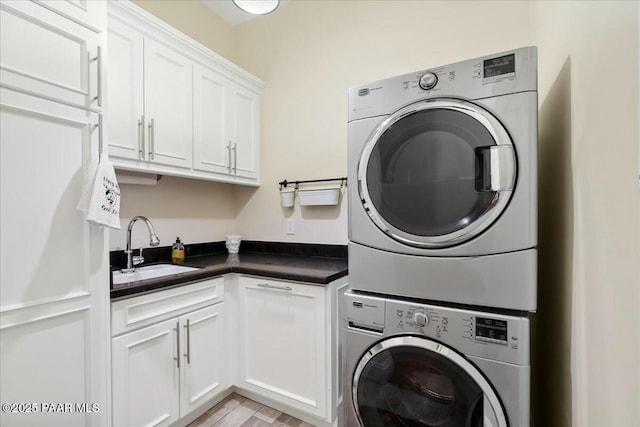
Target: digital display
499 66
491 329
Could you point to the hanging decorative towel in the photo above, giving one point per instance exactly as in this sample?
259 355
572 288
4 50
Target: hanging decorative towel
104 204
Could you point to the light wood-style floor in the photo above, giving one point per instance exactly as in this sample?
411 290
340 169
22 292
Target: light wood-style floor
238 411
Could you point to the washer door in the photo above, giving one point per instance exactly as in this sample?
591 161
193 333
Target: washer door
412 381
437 173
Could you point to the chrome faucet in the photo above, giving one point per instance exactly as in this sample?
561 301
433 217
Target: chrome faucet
153 241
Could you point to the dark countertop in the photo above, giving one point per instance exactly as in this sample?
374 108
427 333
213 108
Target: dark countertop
319 270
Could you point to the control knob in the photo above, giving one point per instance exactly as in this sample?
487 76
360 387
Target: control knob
420 318
428 81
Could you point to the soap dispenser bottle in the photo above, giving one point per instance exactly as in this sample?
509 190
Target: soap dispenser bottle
177 252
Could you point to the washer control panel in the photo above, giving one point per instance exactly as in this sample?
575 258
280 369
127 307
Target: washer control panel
484 334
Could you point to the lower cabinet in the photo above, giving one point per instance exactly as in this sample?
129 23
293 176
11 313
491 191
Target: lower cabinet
203 365
164 371
284 345
146 377
172 349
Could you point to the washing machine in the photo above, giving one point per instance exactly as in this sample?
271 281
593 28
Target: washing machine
444 163
418 365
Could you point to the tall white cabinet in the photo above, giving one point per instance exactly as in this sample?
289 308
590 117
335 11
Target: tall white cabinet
176 107
54 288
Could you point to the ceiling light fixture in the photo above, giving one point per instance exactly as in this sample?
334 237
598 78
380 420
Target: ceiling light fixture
257 7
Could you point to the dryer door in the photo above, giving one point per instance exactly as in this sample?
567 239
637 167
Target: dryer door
437 173
412 381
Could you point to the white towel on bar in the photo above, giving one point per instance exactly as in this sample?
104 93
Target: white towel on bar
104 202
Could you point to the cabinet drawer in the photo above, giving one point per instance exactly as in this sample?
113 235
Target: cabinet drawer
133 313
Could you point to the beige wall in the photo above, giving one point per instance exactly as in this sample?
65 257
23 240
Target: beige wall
311 52
196 211
589 308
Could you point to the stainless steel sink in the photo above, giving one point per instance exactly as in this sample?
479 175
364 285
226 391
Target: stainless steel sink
149 272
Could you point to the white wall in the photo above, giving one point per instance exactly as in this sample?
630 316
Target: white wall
311 52
589 339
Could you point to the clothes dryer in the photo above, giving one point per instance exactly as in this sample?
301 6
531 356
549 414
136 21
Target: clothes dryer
445 162
412 364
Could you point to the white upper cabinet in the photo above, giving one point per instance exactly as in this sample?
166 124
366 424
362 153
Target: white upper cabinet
226 126
245 132
47 55
168 96
176 107
211 144
126 91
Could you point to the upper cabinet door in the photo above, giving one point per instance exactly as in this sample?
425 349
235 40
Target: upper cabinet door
168 94
245 132
90 13
211 145
126 91
47 55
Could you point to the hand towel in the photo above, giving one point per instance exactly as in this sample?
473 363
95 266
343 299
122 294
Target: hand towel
104 204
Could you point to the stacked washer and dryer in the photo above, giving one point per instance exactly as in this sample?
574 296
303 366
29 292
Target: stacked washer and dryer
442 245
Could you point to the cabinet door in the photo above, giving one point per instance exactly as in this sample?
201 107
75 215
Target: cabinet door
168 94
126 91
47 55
245 132
211 145
202 372
53 318
145 376
283 342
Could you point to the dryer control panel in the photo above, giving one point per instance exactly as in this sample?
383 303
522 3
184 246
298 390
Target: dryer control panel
502 73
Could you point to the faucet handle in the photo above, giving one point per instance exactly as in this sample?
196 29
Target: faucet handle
138 259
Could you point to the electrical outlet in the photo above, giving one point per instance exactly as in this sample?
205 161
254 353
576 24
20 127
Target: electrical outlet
291 226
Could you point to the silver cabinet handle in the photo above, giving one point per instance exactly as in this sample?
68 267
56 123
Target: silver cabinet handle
188 353
141 137
229 151
235 158
100 135
98 60
99 97
151 140
280 288
177 358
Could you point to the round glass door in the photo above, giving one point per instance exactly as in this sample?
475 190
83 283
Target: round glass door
414 382
437 173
